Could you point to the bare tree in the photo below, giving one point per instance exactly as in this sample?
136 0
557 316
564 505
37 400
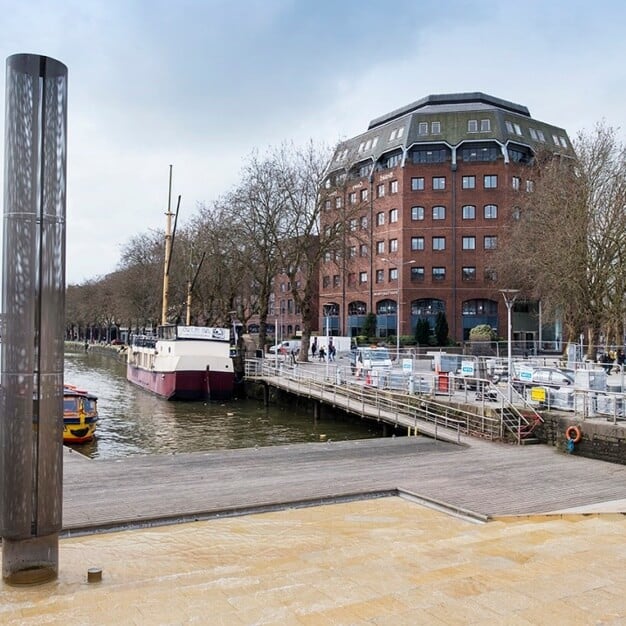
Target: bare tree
565 245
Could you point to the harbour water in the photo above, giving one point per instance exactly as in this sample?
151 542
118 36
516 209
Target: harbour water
133 421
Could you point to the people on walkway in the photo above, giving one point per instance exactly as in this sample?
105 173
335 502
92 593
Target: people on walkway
322 353
331 350
314 347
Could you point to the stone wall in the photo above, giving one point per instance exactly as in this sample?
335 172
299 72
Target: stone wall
601 440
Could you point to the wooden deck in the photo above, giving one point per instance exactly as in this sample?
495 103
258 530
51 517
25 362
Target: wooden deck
485 477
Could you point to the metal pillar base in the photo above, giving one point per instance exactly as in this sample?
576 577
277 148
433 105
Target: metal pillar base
30 561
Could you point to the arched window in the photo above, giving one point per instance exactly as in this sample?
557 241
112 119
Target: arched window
386 307
357 308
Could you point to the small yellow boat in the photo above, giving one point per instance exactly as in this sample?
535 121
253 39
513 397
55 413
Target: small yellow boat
80 415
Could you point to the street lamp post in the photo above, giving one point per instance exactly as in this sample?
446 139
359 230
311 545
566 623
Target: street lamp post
509 296
398 311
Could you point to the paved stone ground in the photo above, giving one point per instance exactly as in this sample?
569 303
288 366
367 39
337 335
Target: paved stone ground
377 562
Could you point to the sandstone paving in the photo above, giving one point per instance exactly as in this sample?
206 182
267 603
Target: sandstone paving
380 562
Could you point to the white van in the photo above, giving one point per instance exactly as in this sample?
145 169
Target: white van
369 359
286 347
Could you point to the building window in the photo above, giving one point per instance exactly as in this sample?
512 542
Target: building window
417 243
422 128
486 153
472 126
485 126
338 203
417 184
439 212
380 247
469 212
325 282
393 161
364 170
541 136
352 197
352 252
362 278
393 245
364 195
491 242
327 205
380 276
517 213
439 273
518 130
439 183
533 134
393 216
440 155
491 212
530 186
516 183
380 218
439 243
364 222
435 128
563 142
509 127
336 280
468 274
469 243
327 256
393 274
363 250
353 224
417 213
555 138
490 181
417 273
380 191
393 186
469 182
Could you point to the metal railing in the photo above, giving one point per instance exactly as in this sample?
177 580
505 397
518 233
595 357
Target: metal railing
399 399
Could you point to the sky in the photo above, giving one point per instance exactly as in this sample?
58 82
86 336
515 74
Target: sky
201 85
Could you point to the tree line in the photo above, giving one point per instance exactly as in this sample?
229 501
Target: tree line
565 245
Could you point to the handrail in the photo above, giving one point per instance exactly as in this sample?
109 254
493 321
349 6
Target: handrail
373 402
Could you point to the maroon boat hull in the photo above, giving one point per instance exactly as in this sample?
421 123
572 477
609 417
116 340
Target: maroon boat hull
184 385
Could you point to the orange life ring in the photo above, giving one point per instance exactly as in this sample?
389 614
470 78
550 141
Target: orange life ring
573 434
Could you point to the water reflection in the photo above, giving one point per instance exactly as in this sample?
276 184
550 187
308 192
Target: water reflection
133 421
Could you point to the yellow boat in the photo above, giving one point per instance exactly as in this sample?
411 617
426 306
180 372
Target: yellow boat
80 415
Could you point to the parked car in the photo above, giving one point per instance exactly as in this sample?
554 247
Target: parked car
554 377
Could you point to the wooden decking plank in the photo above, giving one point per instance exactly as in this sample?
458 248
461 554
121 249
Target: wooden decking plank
488 478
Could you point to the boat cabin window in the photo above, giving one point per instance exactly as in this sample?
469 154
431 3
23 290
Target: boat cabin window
70 405
167 332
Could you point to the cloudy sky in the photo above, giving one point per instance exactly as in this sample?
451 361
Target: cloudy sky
200 84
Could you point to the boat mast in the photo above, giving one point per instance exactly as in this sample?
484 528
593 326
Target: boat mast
168 253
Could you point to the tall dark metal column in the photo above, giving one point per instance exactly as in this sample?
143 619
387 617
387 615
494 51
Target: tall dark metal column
33 303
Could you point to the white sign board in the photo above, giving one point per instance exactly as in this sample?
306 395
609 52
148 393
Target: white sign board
526 373
203 332
407 365
467 368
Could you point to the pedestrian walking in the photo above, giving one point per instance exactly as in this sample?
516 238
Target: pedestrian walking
314 347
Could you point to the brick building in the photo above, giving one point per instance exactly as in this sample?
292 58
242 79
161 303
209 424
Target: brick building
428 189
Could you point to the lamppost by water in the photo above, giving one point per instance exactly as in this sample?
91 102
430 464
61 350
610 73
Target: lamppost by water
509 296
398 311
